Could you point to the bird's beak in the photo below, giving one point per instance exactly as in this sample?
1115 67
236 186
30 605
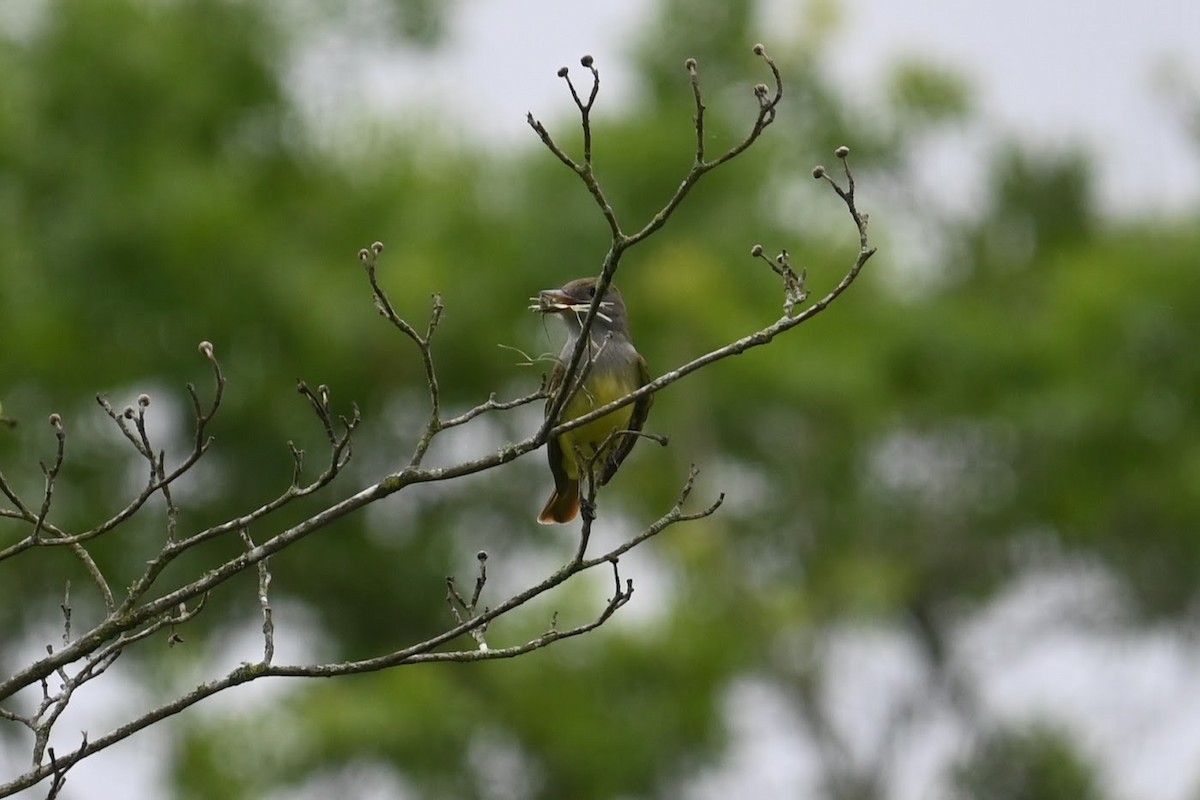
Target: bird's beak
555 301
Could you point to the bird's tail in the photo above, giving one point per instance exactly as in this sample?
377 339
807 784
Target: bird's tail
563 505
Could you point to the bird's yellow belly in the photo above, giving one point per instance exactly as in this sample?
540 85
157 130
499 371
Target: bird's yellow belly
588 438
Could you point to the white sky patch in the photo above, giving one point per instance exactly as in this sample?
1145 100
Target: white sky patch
1056 74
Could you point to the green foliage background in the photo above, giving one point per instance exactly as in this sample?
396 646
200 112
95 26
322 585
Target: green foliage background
895 463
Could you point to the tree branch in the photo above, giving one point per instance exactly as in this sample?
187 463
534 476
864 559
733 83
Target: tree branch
136 617
767 107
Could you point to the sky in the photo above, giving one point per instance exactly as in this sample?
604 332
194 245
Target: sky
1058 72
1055 73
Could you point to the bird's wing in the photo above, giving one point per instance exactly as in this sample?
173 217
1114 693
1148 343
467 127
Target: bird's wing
554 452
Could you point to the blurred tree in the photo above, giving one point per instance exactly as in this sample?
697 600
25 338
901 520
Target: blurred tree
894 464
1035 764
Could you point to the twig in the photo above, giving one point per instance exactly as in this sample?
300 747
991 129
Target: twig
200 446
421 653
369 257
492 404
264 602
767 108
464 610
761 337
21 511
51 474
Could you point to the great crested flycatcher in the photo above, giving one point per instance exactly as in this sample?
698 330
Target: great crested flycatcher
612 369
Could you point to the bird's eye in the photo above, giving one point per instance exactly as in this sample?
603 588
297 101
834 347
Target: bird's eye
591 291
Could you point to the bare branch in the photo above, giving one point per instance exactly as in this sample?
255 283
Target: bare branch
200 446
794 291
583 170
338 457
138 616
585 109
369 258
51 474
757 339
412 475
463 610
480 581
768 104
264 602
21 512
694 78
492 404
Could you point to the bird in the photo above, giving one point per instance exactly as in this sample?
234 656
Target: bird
613 368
